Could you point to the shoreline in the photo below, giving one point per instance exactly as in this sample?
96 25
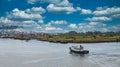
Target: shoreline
65 42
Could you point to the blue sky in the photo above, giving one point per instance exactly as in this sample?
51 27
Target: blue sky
58 16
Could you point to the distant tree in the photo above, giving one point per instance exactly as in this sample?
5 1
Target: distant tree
89 33
72 33
94 36
50 36
97 32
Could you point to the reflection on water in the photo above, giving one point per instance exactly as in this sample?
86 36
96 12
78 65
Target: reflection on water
16 53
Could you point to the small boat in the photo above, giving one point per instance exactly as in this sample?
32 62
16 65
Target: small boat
78 51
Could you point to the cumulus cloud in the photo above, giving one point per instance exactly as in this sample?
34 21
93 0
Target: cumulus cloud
99 19
28 19
104 11
84 26
43 1
58 22
36 10
86 11
28 26
104 29
78 9
98 24
28 29
94 23
5 20
53 28
105 14
113 28
29 23
73 26
32 1
53 8
17 14
64 3
91 26
117 27
31 19
116 16
62 7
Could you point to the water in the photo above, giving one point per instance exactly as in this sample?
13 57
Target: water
17 53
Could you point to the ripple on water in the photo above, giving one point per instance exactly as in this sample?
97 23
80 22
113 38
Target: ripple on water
16 53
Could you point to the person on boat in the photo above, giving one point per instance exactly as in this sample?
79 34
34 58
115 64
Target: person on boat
81 47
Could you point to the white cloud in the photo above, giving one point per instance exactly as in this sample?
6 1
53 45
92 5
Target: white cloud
91 26
58 22
84 27
104 29
28 19
19 14
28 30
116 16
113 28
56 9
102 11
31 19
97 24
64 3
53 28
78 9
56 26
40 21
21 30
86 11
99 19
5 20
94 23
43 1
24 26
38 10
116 27
61 7
32 1
29 24
73 26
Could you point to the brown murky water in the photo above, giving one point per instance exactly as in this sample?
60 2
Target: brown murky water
16 53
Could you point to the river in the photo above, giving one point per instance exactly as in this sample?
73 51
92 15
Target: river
33 53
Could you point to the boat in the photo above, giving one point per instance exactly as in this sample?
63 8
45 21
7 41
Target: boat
78 51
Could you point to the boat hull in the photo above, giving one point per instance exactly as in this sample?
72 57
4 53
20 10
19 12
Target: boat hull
79 51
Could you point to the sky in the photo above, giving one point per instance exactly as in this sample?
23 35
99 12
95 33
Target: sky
60 16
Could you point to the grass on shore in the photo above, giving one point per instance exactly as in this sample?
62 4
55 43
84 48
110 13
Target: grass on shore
78 39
